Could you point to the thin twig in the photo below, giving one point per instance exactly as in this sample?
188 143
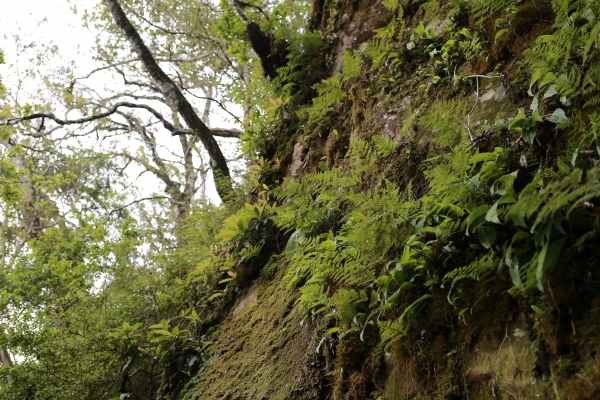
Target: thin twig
137 201
473 109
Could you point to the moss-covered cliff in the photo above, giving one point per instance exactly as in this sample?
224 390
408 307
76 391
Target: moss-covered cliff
426 220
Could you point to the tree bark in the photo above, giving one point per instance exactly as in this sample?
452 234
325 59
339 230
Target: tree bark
177 99
272 53
5 357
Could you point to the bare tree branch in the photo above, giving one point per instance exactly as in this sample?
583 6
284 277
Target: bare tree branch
110 111
222 132
136 202
214 101
114 109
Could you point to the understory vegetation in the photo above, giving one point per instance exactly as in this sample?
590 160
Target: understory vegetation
413 201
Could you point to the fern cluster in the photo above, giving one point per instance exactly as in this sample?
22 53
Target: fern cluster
364 250
367 252
565 65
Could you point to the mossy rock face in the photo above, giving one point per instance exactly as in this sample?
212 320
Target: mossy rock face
489 368
264 351
487 344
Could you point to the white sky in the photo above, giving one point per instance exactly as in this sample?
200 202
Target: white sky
49 21
52 22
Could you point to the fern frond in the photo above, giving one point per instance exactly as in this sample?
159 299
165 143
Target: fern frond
483 9
476 270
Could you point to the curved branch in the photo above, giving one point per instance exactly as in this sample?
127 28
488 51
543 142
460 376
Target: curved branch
257 8
125 62
110 111
136 202
221 132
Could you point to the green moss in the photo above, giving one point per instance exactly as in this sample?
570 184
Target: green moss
262 352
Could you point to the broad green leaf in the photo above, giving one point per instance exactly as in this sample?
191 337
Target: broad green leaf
557 116
492 214
420 30
547 258
520 235
477 217
486 235
479 157
529 134
534 104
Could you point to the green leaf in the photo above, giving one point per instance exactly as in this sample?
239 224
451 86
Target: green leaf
501 23
164 297
557 116
479 157
520 235
293 242
547 258
404 287
534 104
136 326
333 330
500 33
538 310
486 235
447 210
352 65
420 30
391 5
214 296
477 217
550 92
415 307
507 199
492 214
520 121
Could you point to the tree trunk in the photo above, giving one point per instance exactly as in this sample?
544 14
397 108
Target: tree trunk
5 357
177 99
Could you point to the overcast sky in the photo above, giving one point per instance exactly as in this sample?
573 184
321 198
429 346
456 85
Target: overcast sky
46 21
